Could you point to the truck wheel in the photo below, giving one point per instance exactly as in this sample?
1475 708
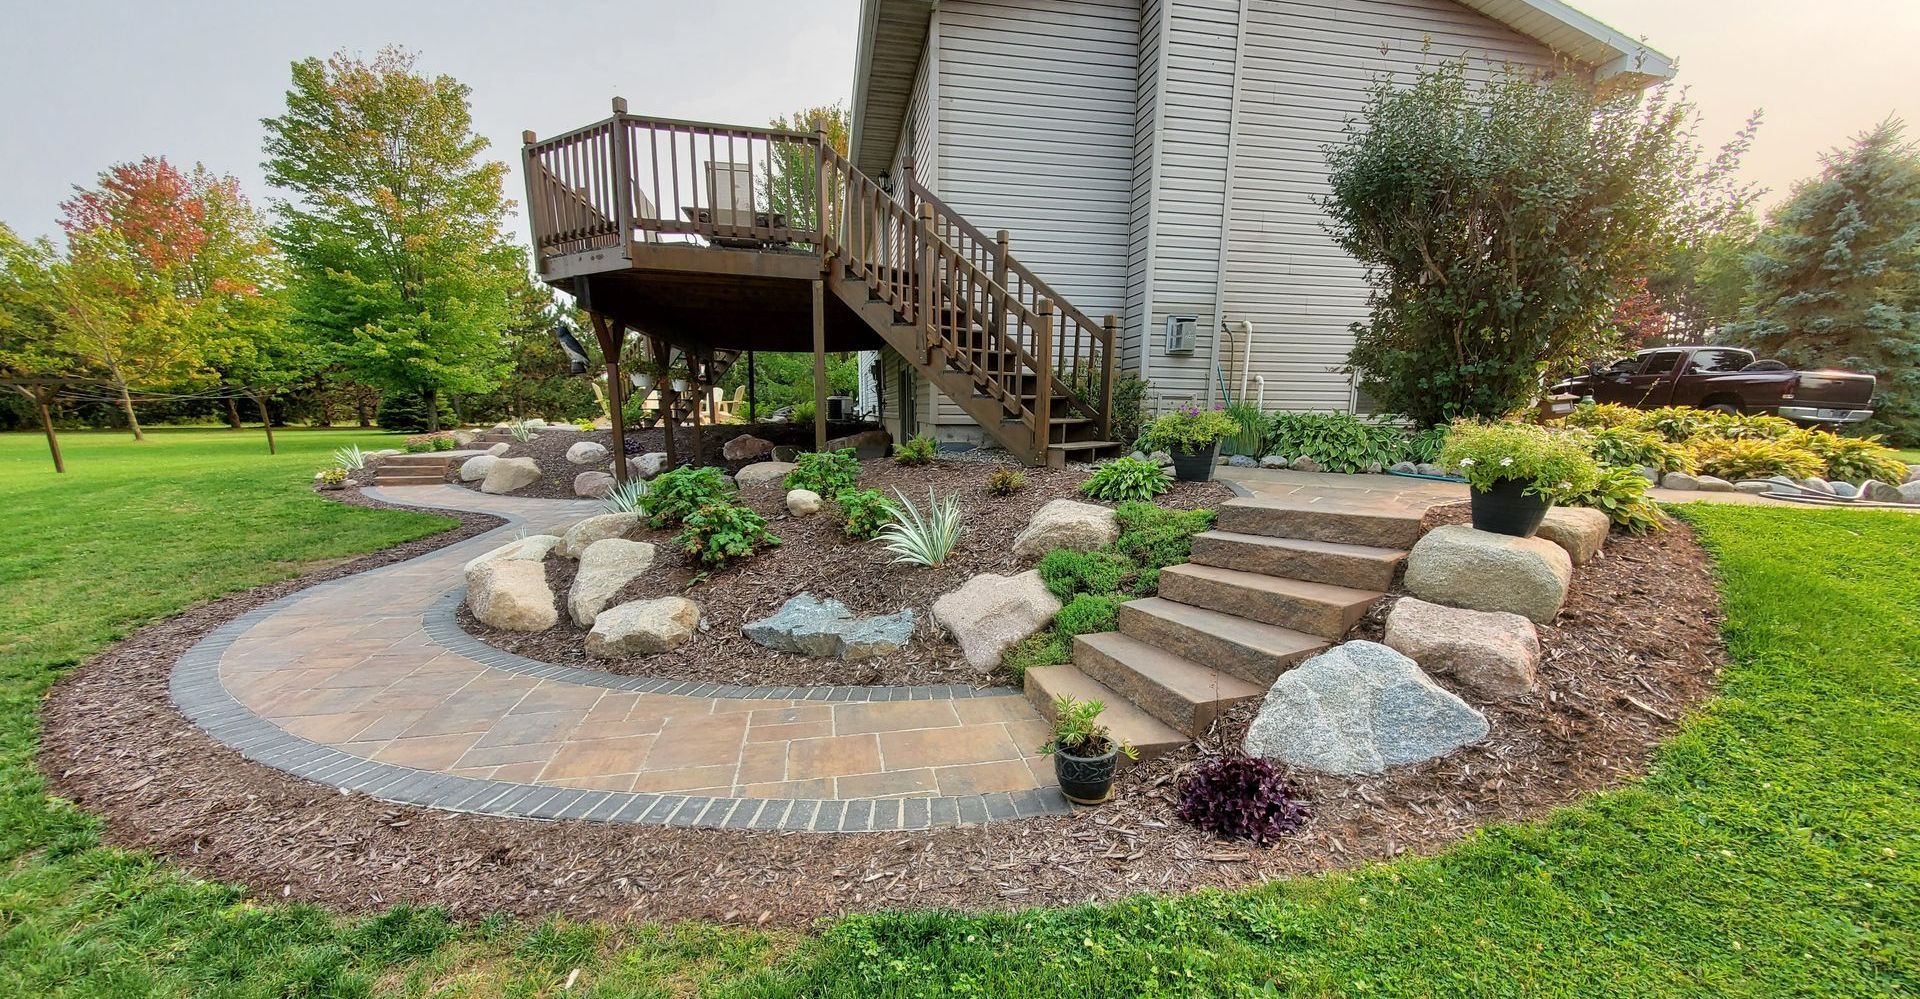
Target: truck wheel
1724 407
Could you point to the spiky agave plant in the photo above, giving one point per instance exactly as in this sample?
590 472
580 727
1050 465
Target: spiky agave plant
519 431
350 458
923 539
625 496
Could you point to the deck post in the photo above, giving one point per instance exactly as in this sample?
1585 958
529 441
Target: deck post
610 353
929 286
662 355
1043 381
535 208
819 365
996 324
1112 327
753 391
622 177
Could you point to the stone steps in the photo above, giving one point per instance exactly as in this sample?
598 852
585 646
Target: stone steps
394 479
1178 691
1256 653
1364 567
1370 523
1315 608
1149 736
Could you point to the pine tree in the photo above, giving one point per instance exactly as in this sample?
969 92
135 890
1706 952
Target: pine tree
1835 278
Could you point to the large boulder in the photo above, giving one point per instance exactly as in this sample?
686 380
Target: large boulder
593 485
803 502
643 627
1680 481
809 626
1304 464
606 566
1065 523
475 469
1581 530
1913 474
528 549
1360 708
600 527
1818 485
746 447
763 473
587 453
499 449
1491 654
646 466
1461 567
990 612
512 594
867 444
1843 490
508 475
1881 492
1714 484
1910 492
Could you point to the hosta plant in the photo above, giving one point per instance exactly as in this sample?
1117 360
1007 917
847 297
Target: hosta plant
863 512
1126 478
625 497
720 533
828 473
924 539
1005 481
1621 494
674 495
1754 458
918 450
1337 442
1624 447
1854 459
1240 797
350 458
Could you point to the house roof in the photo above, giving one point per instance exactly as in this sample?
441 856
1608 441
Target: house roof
892 33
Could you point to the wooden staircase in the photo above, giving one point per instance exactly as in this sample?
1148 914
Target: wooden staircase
1274 583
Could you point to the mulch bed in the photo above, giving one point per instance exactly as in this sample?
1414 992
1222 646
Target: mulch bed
1636 648
548 449
817 557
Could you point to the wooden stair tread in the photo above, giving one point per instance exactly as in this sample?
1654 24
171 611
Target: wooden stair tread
1081 445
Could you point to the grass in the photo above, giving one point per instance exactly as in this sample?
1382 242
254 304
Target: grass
1911 457
1774 849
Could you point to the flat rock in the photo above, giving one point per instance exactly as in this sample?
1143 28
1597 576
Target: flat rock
1461 567
643 627
1578 529
1679 481
1492 655
600 527
508 475
763 473
587 453
1360 708
1714 484
528 549
512 594
824 629
499 449
646 466
867 444
1275 461
746 447
991 612
1430 469
803 502
476 468
593 485
1065 523
605 566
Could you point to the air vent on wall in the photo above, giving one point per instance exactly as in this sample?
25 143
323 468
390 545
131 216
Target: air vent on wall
1179 338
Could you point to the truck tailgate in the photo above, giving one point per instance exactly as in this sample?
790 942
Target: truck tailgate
1836 389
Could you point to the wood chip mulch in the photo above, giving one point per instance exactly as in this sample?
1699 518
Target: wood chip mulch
1636 649
817 557
548 449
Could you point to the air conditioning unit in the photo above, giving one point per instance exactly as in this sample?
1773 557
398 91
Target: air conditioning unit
1180 334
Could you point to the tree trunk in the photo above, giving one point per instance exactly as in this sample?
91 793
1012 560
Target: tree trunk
432 398
126 403
459 418
233 414
266 421
360 408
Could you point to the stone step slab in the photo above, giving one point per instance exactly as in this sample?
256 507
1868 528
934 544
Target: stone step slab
1178 691
1255 652
1315 608
1365 567
1148 735
1356 522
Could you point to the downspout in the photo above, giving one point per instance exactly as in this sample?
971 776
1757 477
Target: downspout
1226 199
1246 357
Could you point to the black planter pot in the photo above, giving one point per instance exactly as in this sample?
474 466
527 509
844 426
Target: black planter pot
1086 780
1196 466
1507 508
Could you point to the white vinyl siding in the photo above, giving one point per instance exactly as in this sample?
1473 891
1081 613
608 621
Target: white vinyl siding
1308 68
1140 217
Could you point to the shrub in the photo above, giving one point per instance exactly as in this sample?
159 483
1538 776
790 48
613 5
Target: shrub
828 473
1598 416
863 512
1043 648
1623 447
1005 481
1252 433
626 497
1338 442
1734 460
802 412
444 442
1153 537
1240 797
1621 494
923 539
1551 465
1187 429
1086 614
1854 459
1127 478
1129 399
675 494
417 445
1077 730
719 533
350 458
406 413
583 424
918 450
333 476
1070 573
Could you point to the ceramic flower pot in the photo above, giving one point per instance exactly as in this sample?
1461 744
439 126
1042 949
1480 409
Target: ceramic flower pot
1196 466
1507 508
1086 780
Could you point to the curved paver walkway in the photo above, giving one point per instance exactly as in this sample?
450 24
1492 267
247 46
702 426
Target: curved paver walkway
367 684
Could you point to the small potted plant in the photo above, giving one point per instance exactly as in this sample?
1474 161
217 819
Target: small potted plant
1085 755
1516 472
1192 436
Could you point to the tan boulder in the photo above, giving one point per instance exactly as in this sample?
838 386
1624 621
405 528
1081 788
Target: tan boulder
1581 530
529 549
763 473
512 594
1492 655
1065 523
989 613
508 475
599 527
1461 567
643 627
606 567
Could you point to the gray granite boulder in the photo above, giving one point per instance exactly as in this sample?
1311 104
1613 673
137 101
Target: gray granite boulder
763 473
1304 464
1578 529
1910 492
629 525
508 475
1818 485
1274 461
1242 461
1714 484
1753 486
1881 492
593 485
1913 474
646 466
1404 468
643 627
1649 473
606 566
1492 655
587 453
1065 523
1360 708
1844 490
808 626
475 469
1429 468
990 612
1461 567
512 594
1679 481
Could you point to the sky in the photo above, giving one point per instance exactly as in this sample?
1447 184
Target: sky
85 84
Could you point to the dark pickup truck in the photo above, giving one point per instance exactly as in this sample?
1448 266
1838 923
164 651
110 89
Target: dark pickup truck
1727 379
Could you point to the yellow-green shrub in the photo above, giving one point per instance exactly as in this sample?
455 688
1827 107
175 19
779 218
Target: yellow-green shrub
1753 458
1625 447
1854 459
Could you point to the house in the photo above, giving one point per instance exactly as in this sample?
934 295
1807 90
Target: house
1160 160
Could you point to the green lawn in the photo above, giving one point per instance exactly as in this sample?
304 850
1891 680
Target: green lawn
1910 457
1775 849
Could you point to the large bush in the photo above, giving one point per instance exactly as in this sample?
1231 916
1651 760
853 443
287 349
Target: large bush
406 413
1499 223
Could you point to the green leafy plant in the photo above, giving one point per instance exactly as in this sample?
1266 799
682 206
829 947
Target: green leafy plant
350 458
1154 537
675 494
924 539
802 412
1551 465
1854 459
1070 573
519 431
863 512
1077 730
1252 433
583 424
1188 429
1422 446
444 442
1753 458
720 533
1337 442
1005 481
1087 614
1624 447
1043 648
1129 399
1126 478
625 497
417 445
1589 415
918 450
828 473
1621 493
333 477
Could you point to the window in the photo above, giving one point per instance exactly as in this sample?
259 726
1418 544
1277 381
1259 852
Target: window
1663 361
1710 362
1626 365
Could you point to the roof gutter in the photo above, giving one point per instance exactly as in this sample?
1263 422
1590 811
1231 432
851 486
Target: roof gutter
862 65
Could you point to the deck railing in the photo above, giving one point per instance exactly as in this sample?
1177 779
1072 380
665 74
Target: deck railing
631 178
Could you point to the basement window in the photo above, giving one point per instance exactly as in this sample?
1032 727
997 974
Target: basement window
1180 334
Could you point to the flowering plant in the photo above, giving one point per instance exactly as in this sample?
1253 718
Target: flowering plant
1188 429
1553 466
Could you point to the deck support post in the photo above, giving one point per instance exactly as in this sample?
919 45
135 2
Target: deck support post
819 365
662 356
753 391
603 331
700 394
1043 382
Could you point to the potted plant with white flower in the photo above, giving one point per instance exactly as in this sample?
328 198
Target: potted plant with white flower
1516 472
1192 436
